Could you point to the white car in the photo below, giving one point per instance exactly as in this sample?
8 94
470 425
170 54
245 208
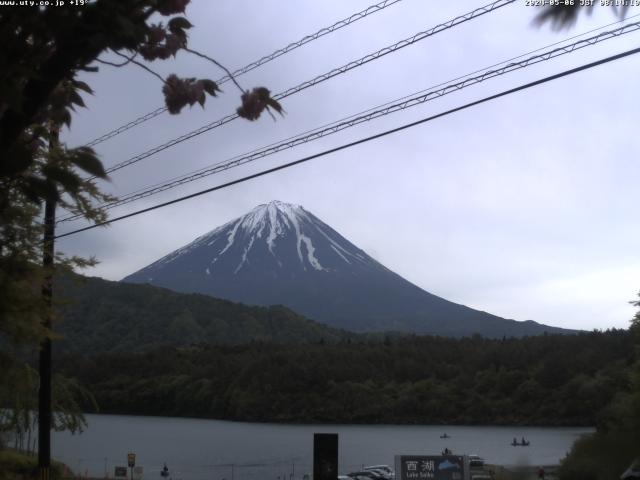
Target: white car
383 469
380 473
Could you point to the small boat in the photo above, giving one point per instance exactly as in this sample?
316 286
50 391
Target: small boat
444 435
524 443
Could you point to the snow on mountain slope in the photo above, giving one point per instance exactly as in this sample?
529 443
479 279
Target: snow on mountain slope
280 253
274 226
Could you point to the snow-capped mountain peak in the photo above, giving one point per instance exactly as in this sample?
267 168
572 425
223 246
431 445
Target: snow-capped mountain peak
293 238
279 253
274 219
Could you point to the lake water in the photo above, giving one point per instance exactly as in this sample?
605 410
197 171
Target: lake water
197 449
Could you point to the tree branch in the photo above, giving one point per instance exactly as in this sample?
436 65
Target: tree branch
219 65
113 64
141 65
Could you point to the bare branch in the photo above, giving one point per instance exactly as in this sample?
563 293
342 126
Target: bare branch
217 64
113 64
141 65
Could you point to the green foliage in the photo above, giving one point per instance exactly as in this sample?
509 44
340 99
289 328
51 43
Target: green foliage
428 380
18 466
19 405
102 316
43 51
607 453
603 456
20 277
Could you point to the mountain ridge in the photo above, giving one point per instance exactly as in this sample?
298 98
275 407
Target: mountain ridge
98 316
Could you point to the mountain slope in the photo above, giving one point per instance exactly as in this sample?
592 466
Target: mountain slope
102 316
282 254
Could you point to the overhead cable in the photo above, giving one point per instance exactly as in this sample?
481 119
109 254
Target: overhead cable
368 115
321 78
253 65
360 141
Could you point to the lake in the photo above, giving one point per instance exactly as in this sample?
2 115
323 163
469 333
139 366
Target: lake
215 450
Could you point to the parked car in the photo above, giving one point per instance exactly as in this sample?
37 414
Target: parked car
362 476
633 472
382 473
382 468
475 461
368 474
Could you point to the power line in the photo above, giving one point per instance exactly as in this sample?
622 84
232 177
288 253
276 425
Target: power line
321 78
368 115
253 65
362 140
127 126
162 109
309 38
421 91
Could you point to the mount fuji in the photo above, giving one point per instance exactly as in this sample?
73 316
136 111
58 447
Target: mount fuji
280 253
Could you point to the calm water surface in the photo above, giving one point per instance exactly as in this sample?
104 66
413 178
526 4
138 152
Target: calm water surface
212 449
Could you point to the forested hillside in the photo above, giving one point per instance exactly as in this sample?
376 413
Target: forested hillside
97 315
544 380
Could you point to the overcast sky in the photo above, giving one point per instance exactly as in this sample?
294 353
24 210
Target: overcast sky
525 207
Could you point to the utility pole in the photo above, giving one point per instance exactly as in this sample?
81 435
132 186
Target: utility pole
44 393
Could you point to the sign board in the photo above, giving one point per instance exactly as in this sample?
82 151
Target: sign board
131 459
120 472
430 467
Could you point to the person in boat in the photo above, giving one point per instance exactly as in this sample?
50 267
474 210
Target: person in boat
523 441
515 442
165 471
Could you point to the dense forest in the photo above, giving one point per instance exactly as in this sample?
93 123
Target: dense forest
97 315
544 380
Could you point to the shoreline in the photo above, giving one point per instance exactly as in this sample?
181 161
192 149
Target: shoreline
337 423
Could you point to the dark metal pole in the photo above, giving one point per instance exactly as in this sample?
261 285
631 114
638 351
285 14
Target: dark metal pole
44 393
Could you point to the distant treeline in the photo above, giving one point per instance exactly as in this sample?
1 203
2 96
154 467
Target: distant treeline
545 380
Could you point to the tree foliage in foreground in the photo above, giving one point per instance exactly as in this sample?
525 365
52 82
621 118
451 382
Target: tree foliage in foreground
616 443
565 14
19 412
44 51
546 380
19 466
